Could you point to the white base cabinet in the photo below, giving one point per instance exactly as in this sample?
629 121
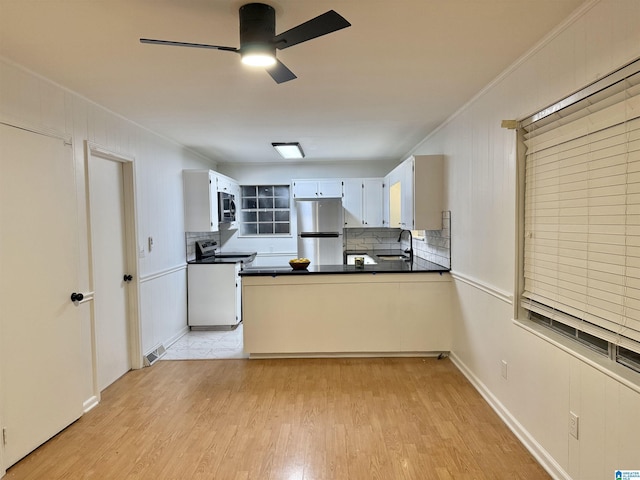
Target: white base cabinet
316 315
214 295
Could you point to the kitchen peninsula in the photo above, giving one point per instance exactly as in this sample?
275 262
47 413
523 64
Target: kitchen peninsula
393 308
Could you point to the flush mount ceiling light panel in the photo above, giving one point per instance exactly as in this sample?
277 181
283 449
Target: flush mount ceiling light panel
258 40
291 150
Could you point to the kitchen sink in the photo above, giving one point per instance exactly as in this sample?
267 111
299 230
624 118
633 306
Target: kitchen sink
392 257
351 259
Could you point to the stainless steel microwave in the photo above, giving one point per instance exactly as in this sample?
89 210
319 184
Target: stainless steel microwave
226 208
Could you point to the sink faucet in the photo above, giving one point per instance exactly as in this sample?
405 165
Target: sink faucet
410 249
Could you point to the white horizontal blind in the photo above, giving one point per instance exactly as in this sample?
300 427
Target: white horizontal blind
582 214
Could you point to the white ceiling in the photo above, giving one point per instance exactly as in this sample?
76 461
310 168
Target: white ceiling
370 92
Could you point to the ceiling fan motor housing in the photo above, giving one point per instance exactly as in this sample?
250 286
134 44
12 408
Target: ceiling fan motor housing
257 29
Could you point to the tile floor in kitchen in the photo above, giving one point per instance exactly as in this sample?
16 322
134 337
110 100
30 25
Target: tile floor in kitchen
207 344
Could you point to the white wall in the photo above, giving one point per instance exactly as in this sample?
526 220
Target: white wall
29 100
545 381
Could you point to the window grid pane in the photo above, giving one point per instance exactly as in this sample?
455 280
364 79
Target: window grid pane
265 210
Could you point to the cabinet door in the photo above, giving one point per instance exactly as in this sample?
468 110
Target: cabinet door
396 182
330 188
305 189
238 294
385 202
224 184
372 201
200 201
213 204
406 215
235 191
352 202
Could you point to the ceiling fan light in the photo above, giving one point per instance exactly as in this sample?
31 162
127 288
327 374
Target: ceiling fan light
258 59
258 54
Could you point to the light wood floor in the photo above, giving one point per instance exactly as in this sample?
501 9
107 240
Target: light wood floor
287 419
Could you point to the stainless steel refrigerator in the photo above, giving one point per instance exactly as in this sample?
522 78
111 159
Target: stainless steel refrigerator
320 225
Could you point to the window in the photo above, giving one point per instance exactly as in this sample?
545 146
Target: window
265 210
581 262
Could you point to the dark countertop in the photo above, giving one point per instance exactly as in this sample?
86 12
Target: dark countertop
226 258
387 266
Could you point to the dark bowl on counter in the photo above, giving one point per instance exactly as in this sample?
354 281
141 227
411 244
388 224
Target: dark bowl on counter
299 265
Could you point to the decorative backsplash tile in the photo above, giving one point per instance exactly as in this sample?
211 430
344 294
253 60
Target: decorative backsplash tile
433 245
192 237
436 244
368 239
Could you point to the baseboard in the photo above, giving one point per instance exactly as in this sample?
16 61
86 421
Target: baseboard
89 403
173 339
539 453
265 356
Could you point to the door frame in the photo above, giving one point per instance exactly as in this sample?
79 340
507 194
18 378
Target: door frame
93 150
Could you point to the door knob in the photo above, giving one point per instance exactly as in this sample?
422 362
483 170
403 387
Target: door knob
76 297
127 278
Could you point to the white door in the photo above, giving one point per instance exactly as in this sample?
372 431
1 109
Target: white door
40 331
106 189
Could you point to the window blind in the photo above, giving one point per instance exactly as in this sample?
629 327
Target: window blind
582 210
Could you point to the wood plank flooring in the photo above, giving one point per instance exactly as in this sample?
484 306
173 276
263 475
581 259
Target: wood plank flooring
380 418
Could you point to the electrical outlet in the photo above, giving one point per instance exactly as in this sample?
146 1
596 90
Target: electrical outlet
573 424
504 369
150 243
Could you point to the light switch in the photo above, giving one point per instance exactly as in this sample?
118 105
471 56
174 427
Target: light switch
573 424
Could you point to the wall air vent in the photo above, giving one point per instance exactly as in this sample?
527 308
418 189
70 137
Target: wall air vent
155 355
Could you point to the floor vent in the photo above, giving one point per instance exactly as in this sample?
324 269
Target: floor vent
155 355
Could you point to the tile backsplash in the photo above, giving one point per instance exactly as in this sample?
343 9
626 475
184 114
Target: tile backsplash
431 245
192 237
436 244
367 239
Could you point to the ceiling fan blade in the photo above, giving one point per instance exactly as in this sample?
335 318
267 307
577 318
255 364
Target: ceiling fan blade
185 44
280 73
316 27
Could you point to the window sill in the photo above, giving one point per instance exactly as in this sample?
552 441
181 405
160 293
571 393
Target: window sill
605 365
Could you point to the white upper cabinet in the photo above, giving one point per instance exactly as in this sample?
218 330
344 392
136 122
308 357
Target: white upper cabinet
225 184
352 202
416 193
200 201
317 188
363 202
386 221
373 202
396 183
